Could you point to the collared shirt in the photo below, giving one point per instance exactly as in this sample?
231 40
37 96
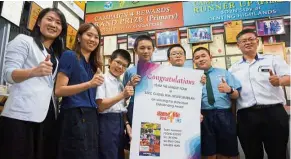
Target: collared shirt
78 71
111 88
254 77
127 77
222 100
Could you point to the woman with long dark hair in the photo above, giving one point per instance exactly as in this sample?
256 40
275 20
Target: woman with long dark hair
77 80
29 114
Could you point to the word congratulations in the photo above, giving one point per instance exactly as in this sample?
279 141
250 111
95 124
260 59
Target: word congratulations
171 79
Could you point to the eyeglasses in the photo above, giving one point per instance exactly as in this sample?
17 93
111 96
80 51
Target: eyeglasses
244 41
124 66
177 53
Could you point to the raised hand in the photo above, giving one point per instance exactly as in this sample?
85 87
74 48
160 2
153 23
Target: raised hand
97 79
128 90
45 68
134 80
274 79
223 87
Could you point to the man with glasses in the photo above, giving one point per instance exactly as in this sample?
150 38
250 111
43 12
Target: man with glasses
261 117
218 128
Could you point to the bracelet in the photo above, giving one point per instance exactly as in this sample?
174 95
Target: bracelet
126 123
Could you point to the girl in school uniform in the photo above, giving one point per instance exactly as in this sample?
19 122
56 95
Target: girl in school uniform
77 80
28 120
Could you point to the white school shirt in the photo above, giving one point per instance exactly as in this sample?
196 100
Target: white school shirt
256 88
111 87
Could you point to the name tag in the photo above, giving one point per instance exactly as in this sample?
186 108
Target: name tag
264 68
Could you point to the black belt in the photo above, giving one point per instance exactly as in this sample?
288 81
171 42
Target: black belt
258 106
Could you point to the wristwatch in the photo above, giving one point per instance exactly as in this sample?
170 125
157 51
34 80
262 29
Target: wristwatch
231 90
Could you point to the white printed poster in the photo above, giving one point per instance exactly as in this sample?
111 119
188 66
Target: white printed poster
166 117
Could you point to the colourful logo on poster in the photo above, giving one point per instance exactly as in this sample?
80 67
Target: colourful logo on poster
171 115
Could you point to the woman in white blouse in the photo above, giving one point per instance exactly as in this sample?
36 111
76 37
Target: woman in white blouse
29 115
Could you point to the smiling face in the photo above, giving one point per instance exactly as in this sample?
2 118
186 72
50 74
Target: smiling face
145 50
248 43
118 66
177 57
89 40
202 59
50 26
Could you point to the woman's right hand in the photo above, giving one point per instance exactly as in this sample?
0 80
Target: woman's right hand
97 79
45 68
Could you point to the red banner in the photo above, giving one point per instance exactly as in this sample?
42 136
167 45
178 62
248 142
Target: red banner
138 19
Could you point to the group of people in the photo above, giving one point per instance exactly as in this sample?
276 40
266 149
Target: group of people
93 121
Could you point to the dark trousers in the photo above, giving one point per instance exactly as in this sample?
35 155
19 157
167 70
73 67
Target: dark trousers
264 127
78 133
28 140
218 133
111 136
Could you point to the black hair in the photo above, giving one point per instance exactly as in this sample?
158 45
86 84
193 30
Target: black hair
201 48
123 53
140 38
59 44
95 56
245 31
175 45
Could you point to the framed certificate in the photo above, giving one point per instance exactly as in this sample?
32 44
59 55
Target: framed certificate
232 28
232 49
217 46
160 54
71 37
230 60
123 46
33 14
187 47
218 62
275 49
110 44
12 10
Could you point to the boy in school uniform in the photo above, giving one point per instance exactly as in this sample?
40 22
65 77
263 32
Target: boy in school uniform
110 97
177 57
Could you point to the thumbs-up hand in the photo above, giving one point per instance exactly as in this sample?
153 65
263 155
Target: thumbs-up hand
274 79
134 80
128 90
223 87
45 68
97 79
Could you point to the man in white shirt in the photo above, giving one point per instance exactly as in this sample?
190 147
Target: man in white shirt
110 98
261 117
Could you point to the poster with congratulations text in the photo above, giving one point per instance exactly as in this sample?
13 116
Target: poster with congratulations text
166 117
